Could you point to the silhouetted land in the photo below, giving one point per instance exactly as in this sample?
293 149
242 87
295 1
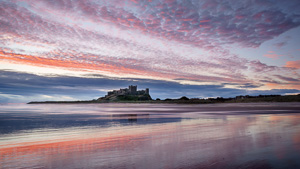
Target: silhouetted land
186 100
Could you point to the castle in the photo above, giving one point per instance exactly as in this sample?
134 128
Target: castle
132 90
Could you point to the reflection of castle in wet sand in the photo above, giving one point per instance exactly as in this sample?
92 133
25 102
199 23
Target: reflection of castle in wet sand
130 117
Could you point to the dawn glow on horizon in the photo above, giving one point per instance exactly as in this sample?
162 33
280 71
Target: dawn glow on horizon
80 49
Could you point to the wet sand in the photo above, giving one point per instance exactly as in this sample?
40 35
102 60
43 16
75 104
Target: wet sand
241 135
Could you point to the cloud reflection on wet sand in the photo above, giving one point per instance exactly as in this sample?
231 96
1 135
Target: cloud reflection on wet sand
196 141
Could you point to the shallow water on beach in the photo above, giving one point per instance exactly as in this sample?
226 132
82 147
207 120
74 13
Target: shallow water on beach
249 135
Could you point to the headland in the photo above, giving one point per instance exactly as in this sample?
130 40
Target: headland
132 95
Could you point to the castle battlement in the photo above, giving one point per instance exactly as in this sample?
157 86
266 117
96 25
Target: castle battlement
131 90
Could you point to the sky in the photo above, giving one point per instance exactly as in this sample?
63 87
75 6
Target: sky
80 49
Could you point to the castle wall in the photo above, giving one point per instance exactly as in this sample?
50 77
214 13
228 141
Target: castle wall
132 90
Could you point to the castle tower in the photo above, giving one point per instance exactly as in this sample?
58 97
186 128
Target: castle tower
132 89
147 90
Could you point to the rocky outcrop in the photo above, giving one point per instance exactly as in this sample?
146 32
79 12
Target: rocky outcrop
113 98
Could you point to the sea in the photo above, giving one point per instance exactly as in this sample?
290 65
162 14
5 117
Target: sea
117 135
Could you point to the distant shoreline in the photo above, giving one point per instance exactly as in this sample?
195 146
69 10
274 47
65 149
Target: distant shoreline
185 100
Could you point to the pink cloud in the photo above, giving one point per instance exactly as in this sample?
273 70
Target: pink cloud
272 55
204 21
293 64
283 86
194 19
258 66
239 17
74 30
